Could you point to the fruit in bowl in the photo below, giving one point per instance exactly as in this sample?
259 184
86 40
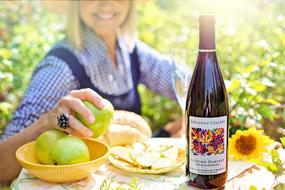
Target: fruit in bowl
44 143
103 118
69 150
55 147
98 151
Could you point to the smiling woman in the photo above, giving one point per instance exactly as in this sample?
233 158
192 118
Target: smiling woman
99 58
103 19
122 17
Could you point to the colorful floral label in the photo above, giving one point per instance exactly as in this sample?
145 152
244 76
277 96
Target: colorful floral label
208 142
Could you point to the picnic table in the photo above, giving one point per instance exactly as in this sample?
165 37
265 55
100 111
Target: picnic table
241 176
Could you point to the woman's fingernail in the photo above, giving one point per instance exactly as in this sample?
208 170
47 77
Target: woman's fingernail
91 119
90 134
102 104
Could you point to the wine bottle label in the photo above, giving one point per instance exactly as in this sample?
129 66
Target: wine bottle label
208 145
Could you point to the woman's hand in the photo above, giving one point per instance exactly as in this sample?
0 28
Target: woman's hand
71 104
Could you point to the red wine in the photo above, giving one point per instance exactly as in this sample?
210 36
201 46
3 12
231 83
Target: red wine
207 113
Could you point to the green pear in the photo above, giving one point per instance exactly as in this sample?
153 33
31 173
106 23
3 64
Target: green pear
69 150
44 144
103 118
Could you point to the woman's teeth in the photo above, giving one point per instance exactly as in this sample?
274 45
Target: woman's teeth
105 16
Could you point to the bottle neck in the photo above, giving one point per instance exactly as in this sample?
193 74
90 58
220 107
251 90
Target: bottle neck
207 42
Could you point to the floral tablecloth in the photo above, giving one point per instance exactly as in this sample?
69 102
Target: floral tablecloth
107 173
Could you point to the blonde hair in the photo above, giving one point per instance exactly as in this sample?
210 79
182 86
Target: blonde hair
75 26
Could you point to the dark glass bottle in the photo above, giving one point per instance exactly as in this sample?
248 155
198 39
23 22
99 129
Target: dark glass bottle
207 113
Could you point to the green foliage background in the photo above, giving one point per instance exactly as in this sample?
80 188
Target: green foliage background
250 44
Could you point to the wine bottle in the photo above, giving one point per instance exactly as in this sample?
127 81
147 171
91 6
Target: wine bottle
207 113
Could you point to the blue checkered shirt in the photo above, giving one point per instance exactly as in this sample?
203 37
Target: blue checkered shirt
52 78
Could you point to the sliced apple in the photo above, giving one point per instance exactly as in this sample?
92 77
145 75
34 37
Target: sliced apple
162 163
171 153
159 148
155 148
145 160
138 147
122 153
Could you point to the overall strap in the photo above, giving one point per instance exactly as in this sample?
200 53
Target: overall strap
135 66
71 60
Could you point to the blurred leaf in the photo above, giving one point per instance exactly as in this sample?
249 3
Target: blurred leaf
280 186
234 129
266 112
257 86
249 68
235 84
4 108
282 139
5 53
268 165
252 187
271 101
276 159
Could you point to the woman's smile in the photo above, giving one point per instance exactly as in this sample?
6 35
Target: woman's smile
105 16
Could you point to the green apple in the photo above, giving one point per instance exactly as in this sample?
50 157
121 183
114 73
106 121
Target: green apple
69 150
55 147
103 118
44 144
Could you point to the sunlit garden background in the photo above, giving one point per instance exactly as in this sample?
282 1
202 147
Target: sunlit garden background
250 38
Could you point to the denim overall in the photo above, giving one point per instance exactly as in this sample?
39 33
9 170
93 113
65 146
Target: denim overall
129 101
